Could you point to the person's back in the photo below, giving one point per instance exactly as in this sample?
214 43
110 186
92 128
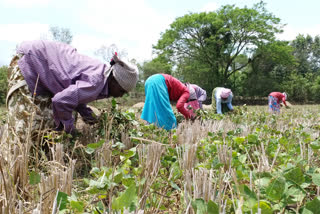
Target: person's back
67 79
280 96
58 65
221 96
274 100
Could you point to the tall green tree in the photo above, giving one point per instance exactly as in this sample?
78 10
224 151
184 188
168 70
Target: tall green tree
307 53
155 66
270 69
206 45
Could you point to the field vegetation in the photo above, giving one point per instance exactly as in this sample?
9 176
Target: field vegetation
249 161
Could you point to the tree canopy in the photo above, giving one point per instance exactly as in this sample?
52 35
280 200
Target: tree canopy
211 42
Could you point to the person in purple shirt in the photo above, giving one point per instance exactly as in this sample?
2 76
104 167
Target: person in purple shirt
51 79
201 94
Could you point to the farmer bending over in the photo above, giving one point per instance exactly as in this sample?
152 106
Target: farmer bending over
160 89
52 79
222 96
274 100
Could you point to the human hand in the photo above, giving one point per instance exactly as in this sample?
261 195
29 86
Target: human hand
59 128
91 119
193 118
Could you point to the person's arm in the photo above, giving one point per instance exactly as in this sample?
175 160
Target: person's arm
180 104
229 102
218 105
86 113
230 106
64 102
203 95
284 101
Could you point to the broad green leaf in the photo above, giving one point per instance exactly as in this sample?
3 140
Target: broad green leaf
295 194
242 158
252 138
91 147
118 178
316 179
199 206
315 145
239 140
131 152
95 190
95 170
283 141
114 103
126 198
176 170
276 188
212 208
96 145
175 186
62 200
306 211
77 206
89 150
262 182
128 181
314 205
264 206
294 174
34 178
249 196
100 184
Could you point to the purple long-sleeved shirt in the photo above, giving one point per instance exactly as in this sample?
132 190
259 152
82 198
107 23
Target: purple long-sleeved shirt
201 94
72 79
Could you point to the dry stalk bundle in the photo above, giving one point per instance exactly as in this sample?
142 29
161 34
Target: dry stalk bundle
225 155
202 184
191 132
263 161
125 139
58 178
149 159
187 156
103 156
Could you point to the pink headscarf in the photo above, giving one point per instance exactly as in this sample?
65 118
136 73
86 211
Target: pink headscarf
225 93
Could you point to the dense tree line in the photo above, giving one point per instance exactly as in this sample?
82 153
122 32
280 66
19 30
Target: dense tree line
237 48
231 47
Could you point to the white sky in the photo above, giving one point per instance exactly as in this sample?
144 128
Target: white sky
133 25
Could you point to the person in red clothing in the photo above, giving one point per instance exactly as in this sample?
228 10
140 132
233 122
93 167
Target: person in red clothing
274 100
160 89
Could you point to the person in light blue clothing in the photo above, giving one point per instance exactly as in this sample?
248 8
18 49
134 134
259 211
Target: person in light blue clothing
160 89
222 96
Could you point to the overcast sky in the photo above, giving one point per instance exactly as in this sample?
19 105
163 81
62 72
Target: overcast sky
133 25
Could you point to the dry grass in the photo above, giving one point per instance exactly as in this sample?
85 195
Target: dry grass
17 195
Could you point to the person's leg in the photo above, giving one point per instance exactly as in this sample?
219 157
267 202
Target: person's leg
213 100
157 108
274 107
27 116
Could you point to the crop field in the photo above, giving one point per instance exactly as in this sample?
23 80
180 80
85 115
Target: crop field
247 161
